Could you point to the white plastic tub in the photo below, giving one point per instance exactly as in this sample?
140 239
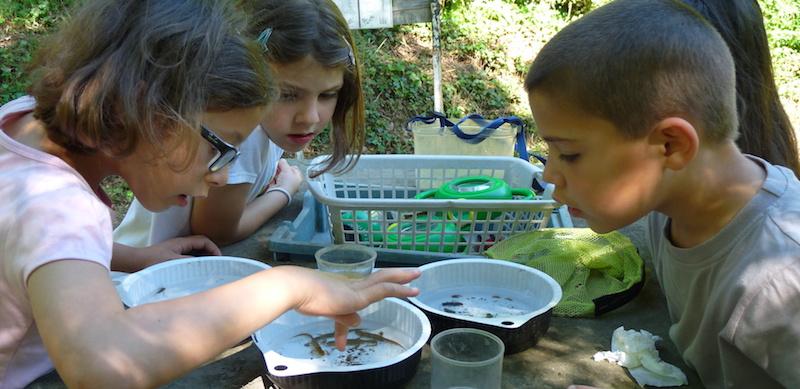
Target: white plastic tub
182 277
513 301
298 352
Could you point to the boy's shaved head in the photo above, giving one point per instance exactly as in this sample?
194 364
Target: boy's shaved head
635 62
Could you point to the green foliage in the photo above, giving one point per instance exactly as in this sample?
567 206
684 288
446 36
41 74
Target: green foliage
782 22
32 14
12 61
396 81
118 190
393 88
479 92
24 20
782 19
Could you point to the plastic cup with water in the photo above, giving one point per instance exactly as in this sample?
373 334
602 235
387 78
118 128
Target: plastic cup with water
349 260
466 358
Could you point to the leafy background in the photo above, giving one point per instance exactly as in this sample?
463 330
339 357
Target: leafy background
487 46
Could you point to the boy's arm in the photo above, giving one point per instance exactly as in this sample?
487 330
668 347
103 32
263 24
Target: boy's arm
226 217
94 342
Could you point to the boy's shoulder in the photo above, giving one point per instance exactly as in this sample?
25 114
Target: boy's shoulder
775 216
781 201
780 182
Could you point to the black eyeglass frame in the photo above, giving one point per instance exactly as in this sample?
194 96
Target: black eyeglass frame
226 152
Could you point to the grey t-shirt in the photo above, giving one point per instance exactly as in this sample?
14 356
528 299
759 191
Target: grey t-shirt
734 300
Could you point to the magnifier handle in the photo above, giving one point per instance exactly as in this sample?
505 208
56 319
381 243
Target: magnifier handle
526 193
426 194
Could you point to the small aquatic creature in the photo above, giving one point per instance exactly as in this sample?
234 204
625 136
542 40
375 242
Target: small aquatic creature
364 338
377 337
317 349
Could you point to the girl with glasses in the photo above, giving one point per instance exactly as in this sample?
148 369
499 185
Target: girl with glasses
310 49
161 93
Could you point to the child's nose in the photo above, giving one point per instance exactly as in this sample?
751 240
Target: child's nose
219 177
551 175
309 114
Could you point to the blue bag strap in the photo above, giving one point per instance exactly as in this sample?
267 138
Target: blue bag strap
522 147
488 128
432 116
522 150
486 131
536 184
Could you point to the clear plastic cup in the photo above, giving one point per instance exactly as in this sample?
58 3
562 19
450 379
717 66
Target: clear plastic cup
466 358
349 260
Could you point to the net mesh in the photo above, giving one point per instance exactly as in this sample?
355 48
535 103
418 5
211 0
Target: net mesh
587 265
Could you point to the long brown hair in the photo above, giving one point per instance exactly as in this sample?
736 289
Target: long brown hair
300 28
765 129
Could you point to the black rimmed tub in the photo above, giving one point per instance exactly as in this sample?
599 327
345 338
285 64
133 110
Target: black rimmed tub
382 353
512 301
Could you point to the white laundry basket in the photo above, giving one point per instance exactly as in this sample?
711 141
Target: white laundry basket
373 204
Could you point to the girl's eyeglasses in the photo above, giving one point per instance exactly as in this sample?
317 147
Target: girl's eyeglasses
226 153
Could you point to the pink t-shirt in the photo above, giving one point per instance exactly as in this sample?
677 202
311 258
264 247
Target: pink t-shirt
48 212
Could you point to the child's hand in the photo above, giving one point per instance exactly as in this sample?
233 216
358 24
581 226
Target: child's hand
287 177
131 259
184 247
338 298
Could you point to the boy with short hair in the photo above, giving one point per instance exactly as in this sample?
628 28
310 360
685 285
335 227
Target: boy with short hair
637 103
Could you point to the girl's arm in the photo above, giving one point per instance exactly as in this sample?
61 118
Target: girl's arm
221 215
94 342
130 259
226 217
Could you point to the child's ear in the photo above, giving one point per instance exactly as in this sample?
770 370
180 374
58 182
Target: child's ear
678 141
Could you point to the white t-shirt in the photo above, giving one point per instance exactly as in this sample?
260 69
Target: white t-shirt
256 165
734 300
48 213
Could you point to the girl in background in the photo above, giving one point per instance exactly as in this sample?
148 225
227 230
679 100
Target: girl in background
158 92
764 128
310 49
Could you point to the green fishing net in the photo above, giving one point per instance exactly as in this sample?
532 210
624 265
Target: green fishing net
597 272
